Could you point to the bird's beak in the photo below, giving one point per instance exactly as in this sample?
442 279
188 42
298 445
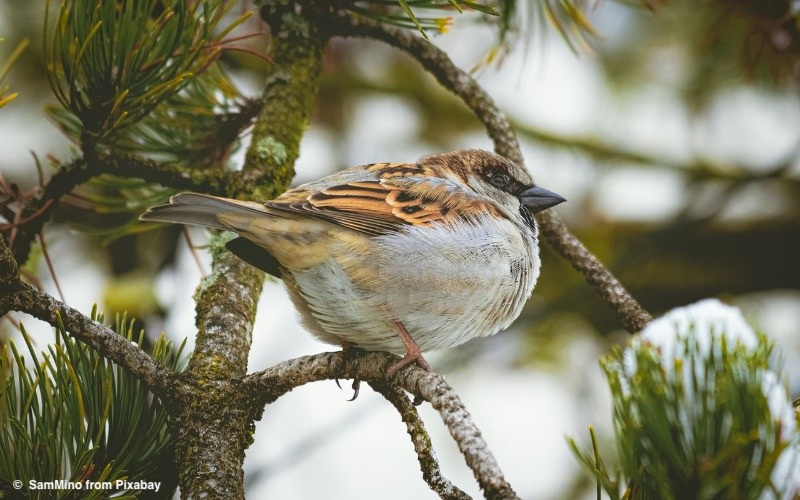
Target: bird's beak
538 199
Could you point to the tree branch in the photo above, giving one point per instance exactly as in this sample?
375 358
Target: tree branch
227 299
631 314
431 472
270 384
39 210
16 295
450 76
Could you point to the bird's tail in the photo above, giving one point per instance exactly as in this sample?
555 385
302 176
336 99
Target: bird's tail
200 209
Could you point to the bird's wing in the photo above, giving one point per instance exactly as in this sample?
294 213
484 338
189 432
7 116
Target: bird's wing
396 196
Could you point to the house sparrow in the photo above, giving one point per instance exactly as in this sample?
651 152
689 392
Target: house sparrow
398 257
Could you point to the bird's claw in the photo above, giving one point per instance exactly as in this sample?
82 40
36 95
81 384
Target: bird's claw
347 348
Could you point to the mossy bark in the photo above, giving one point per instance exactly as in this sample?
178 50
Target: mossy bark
216 424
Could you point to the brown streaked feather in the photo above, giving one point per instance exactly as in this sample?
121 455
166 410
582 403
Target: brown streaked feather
391 170
405 195
359 189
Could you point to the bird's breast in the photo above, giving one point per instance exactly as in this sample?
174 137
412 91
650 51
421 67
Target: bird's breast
445 283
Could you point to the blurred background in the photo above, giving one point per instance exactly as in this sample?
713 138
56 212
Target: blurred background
673 130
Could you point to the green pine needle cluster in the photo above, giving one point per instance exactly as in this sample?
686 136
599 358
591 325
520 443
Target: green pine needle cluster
116 203
71 414
533 19
197 127
143 78
110 64
702 428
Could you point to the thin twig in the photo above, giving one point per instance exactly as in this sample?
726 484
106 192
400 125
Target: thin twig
50 267
37 211
431 472
193 251
631 314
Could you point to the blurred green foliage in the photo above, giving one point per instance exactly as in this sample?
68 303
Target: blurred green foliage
5 67
706 47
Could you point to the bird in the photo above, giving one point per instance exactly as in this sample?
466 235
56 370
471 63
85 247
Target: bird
400 257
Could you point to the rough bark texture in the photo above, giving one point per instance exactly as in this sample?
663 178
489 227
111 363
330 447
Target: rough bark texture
214 429
371 367
423 447
630 313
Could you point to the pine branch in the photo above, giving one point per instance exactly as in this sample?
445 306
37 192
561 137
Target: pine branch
110 64
16 295
700 411
631 314
69 413
38 211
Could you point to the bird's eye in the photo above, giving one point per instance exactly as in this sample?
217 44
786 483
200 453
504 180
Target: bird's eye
499 181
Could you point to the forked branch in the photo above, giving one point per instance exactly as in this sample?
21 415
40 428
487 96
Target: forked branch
431 472
274 382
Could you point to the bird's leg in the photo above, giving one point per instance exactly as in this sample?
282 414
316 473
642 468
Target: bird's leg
413 353
347 350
